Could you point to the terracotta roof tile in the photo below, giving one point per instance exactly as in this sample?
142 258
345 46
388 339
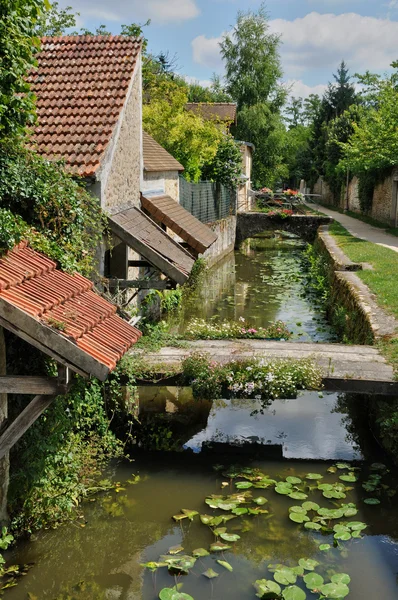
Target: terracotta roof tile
67 303
81 84
156 158
214 111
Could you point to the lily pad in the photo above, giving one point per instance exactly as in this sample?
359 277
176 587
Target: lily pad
173 594
314 476
200 552
283 488
344 536
298 509
175 549
350 478
343 466
230 537
310 506
210 574
313 526
298 495
226 565
243 485
325 547
293 593
180 517
298 517
219 547
153 566
308 564
356 525
267 589
293 480
340 578
335 590
189 513
313 581
371 501
285 576
239 511
260 500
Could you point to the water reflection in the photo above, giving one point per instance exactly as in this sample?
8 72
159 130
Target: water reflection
262 282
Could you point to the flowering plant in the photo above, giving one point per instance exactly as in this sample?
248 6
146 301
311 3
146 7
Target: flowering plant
200 329
266 190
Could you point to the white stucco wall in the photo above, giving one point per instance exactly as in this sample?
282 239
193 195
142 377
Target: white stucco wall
168 181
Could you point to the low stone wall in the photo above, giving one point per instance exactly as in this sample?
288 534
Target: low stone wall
305 226
352 306
225 243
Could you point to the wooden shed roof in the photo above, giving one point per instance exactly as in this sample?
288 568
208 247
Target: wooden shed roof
141 234
178 219
156 158
61 314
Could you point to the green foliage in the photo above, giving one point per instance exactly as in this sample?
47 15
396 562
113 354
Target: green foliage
188 137
55 21
18 46
226 166
48 200
60 459
258 378
214 93
202 329
252 61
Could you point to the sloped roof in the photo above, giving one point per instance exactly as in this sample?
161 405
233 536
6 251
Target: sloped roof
61 314
156 158
214 111
178 219
139 232
81 84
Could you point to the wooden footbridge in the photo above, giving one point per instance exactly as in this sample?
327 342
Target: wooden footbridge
355 369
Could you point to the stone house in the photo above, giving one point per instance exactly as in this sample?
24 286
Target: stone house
89 106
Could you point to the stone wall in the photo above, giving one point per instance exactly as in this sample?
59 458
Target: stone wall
225 243
121 168
305 226
322 188
382 206
353 197
168 181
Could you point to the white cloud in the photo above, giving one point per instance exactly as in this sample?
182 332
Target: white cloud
206 83
321 41
128 11
300 89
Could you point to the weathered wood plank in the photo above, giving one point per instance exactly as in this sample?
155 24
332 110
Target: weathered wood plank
22 423
50 341
143 284
47 386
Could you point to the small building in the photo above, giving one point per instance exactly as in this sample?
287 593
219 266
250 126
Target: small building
161 170
245 199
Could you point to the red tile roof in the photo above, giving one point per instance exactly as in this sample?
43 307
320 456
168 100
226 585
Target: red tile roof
214 111
30 283
81 84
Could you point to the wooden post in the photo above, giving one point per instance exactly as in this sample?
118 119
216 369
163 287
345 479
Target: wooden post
5 461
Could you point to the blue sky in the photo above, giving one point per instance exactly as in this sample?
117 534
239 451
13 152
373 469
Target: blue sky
316 34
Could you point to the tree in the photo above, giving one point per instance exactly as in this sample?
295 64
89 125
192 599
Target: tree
55 21
18 45
252 61
294 112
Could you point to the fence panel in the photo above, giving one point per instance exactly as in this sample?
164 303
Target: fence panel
207 201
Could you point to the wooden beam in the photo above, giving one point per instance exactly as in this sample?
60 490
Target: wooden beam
22 423
143 284
139 263
48 386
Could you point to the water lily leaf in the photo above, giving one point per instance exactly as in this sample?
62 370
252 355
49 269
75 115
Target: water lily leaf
350 478
210 574
356 534
350 512
180 563
310 506
173 594
314 476
335 590
219 530
343 466
325 486
298 517
371 501
325 547
267 589
298 509
378 466
230 537
333 494
340 578
298 496
308 563
313 581
293 593
244 485
189 513
293 480
180 517
344 536
257 511
226 518
152 566
285 576
260 500
226 565
175 549
332 470
239 511
200 552
283 488
206 519
219 547
356 525
313 526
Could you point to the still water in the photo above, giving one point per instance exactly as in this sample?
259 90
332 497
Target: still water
100 556
262 282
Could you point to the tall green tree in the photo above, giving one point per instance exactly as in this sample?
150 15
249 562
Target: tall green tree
252 61
340 95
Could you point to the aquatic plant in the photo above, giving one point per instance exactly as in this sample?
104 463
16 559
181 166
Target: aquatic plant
254 378
203 329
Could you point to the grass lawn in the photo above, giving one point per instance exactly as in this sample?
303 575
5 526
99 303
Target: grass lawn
382 280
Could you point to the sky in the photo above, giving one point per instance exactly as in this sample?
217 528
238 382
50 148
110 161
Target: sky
315 34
